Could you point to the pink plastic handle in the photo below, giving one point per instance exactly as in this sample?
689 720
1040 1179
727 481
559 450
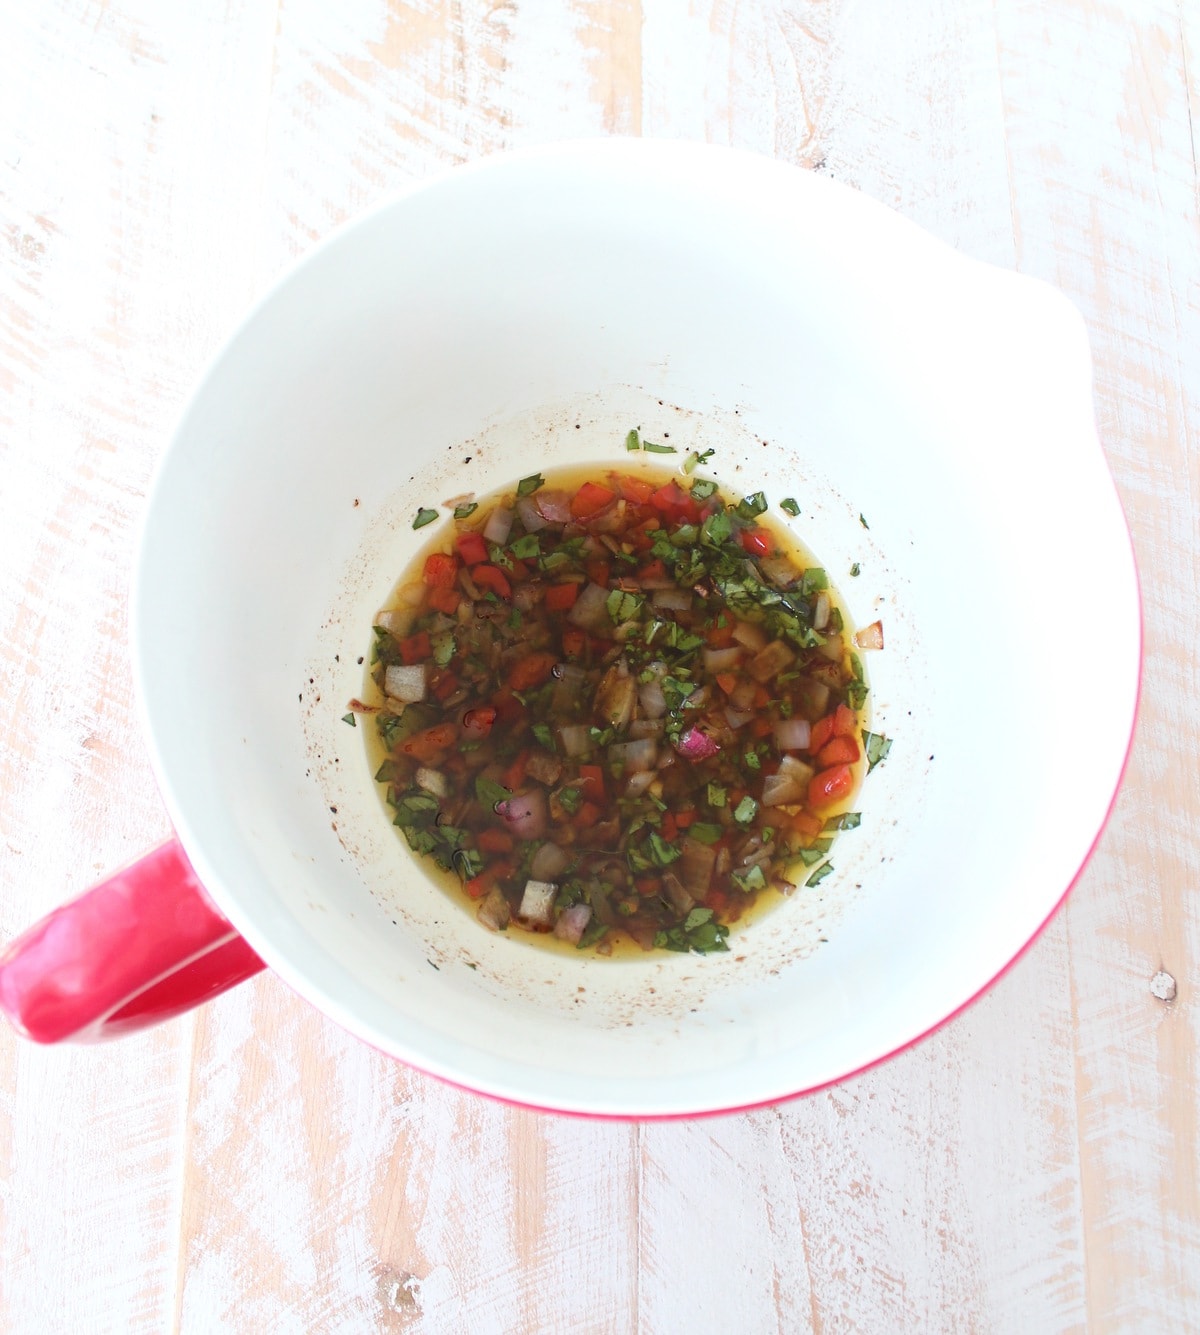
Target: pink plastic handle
134 950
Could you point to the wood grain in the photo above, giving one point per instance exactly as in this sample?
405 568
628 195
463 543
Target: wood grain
1031 1167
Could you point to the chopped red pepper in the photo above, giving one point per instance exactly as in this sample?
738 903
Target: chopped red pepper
416 648
590 499
444 600
514 775
655 570
478 721
635 489
445 685
755 541
531 671
838 751
428 745
472 548
574 642
494 841
493 579
591 782
599 572
441 570
830 786
559 597
587 815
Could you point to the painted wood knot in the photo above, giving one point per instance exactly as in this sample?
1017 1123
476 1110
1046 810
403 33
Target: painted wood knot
1162 986
400 1291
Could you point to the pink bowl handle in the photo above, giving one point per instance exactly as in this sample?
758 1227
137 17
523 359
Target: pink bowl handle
136 949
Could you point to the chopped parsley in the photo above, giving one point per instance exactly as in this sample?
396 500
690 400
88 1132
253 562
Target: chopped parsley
528 485
465 510
424 517
788 506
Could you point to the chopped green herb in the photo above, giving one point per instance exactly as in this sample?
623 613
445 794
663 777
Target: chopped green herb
820 874
632 442
848 820
694 461
544 735
746 810
703 831
465 510
651 448
855 570
751 506
662 854
788 506
526 547
716 795
750 881
752 760
349 718
570 799
863 522
814 581
528 485
698 932
716 529
591 934
490 793
444 648
876 746
623 606
702 489
424 517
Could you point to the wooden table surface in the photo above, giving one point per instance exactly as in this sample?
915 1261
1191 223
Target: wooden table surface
1031 1167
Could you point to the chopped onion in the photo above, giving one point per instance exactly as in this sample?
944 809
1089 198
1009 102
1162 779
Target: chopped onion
544 767
780 570
638 783
752 636
646 727
870 637
737 719
743 695
590 611
468 585
793 734
821 612
494 912
549 862
796 769
789 785
405 683
553 505
575 740
615 696
771 661
696 865
525 814
394 622
679 898
530 516
653 701
636 757
499 525
568 687
433 781
833 648
673 599
537 903
413 594
721 660
527 595
696 745
572 923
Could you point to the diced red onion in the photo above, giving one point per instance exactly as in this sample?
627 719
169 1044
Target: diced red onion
635 757
870 637
433 781
737 719
796 769
821 612
525 814
405 683
609 520
572 923
696 745
537 903
499 525
575 740
530 515
793 734
590 611
549 862
673 599
747 633
553 505
722 660
653 701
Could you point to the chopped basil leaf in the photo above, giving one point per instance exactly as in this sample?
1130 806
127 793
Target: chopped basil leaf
746 810
788 506
349 718
490 793
876 746
544 735
702 489
465 510
658 449
528 485
704 832
570 799
468 862
814 581
716 795
863 522
751 880
632 442
751 506
751 760
820 874
525 547
591 934
716 529
855 570
662 854
424 517
623 606
848 820
694 461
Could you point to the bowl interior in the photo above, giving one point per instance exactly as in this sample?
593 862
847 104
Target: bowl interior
527 312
